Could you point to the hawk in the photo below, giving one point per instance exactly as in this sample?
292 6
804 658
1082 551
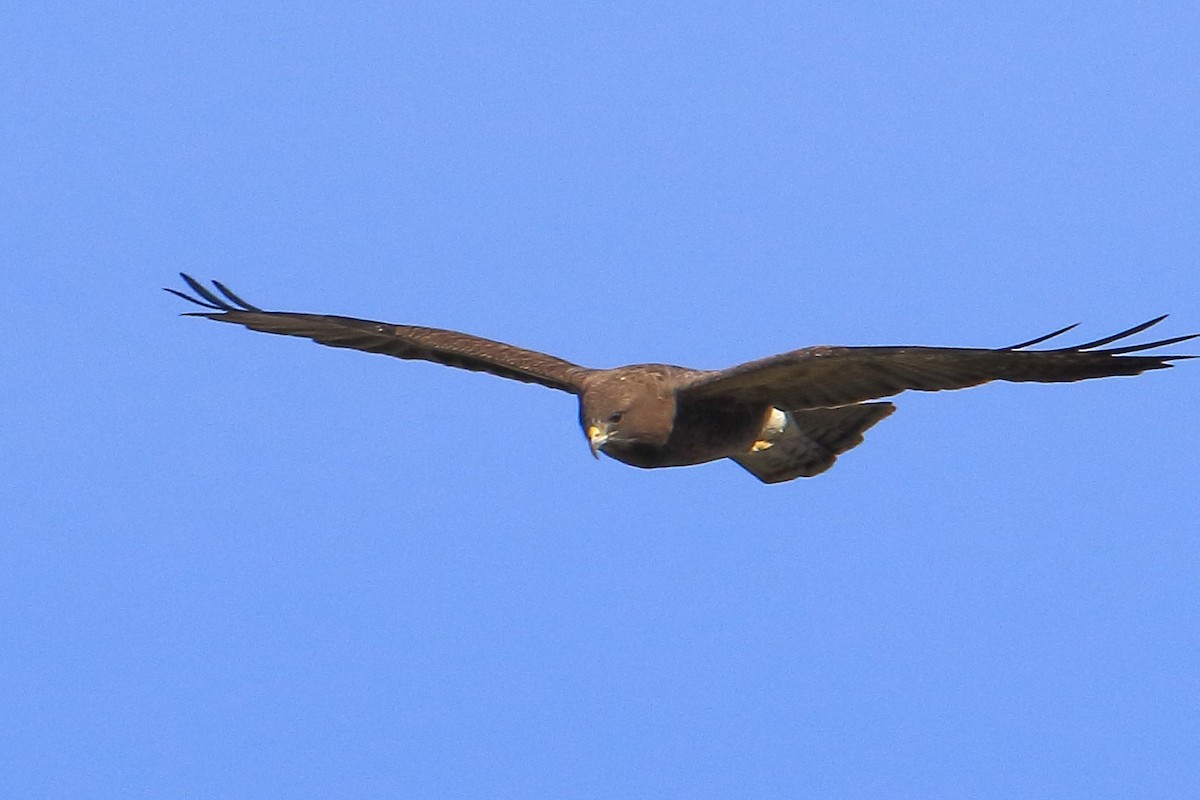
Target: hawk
782 417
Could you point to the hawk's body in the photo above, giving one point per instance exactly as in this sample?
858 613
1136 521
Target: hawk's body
781 417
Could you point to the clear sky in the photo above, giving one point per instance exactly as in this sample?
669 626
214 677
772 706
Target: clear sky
243 566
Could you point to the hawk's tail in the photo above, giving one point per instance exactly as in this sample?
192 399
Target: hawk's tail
812 440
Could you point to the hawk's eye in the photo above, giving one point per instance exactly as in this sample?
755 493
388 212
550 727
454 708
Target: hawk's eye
616 417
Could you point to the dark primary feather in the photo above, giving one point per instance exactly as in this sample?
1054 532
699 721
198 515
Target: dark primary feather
402 341
825 377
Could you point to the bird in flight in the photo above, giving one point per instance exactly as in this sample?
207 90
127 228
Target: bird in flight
782 417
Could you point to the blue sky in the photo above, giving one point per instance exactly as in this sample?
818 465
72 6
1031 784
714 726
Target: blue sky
237 565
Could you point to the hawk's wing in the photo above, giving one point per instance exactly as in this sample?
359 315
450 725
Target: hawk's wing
825 377
451 348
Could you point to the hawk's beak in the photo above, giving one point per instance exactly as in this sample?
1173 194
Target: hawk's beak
597 436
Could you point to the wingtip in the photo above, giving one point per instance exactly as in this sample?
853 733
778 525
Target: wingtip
206 298
1091 346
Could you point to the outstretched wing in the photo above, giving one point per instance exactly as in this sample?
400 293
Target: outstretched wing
451 348
827 377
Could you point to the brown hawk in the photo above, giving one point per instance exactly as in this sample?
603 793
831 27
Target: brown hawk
782 417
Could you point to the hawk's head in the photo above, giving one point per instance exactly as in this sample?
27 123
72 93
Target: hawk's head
628 412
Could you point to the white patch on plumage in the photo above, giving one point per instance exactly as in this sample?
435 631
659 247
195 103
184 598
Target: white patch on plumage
772 430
